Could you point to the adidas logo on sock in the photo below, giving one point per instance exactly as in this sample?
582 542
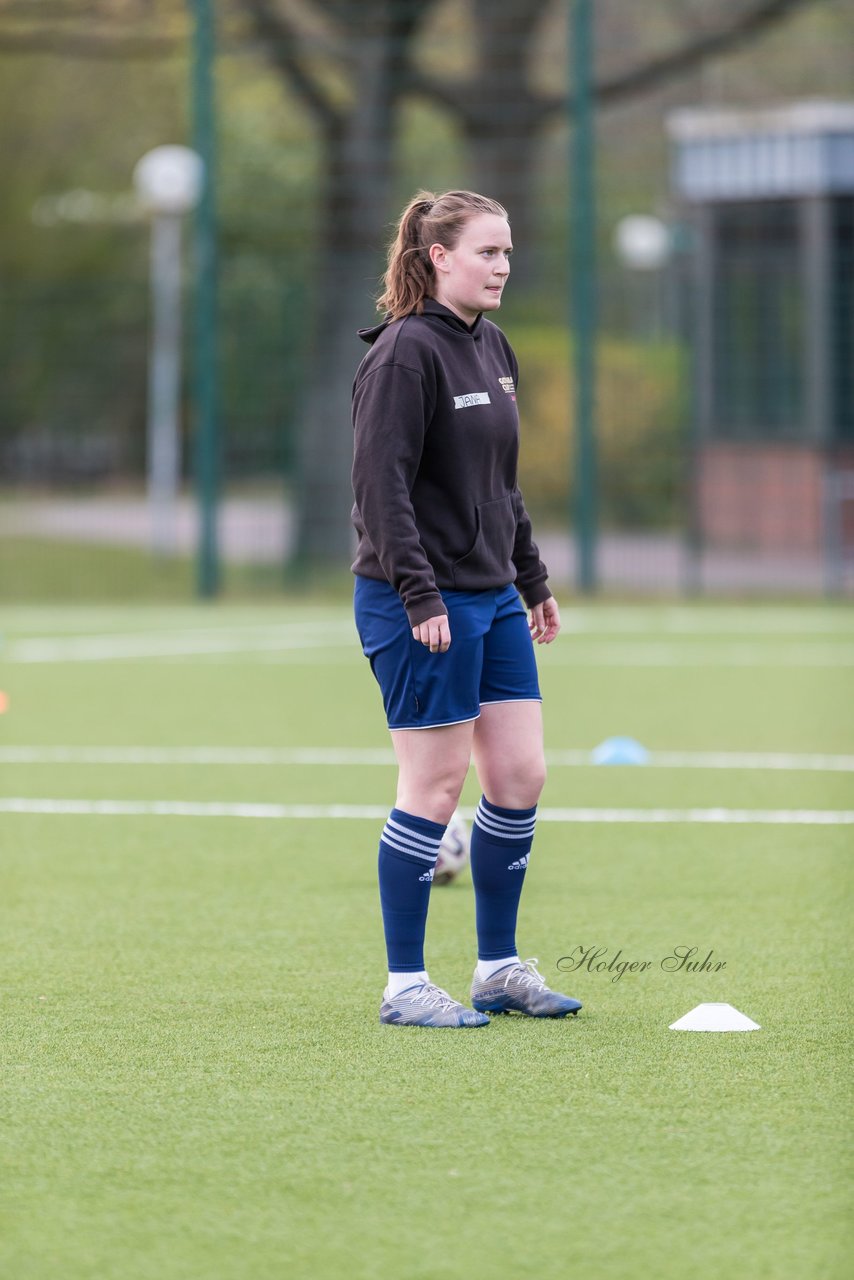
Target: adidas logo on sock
428 875
520 865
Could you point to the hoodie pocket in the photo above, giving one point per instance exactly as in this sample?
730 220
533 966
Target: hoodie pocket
489 562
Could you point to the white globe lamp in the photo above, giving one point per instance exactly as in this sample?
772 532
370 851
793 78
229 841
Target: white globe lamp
642 242
169 179
168 182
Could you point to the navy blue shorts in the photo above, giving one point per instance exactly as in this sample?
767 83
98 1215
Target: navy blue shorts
491 658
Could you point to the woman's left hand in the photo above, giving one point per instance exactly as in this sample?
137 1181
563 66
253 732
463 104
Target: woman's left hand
545 621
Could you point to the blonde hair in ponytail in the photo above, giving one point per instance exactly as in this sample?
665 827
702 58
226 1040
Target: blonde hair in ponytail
427 219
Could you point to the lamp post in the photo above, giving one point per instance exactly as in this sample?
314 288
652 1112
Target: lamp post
168 181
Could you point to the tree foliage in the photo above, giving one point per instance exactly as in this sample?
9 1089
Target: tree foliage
326 103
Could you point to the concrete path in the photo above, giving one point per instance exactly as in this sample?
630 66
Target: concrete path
261 530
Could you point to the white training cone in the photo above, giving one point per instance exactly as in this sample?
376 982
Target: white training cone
715 1017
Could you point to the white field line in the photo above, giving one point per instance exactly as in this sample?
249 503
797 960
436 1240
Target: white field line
806 655
734 760
656 621
764 620
158 644
312 641
722 654
346 652
198 755
384 756
196 809
320 648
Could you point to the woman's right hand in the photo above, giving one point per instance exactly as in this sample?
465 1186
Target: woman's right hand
435 633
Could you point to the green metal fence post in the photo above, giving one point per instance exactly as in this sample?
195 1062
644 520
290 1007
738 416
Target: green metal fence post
206 451
583 286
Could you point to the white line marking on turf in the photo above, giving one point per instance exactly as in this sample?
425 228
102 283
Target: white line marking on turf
774 760
189 809
198 755
206 809
763 620
654 621
329 640
157 644
645 654
336 756
783 817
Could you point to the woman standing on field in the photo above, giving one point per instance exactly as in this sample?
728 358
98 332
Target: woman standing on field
445 550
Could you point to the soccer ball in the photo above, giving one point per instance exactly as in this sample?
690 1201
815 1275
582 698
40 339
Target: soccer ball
453 851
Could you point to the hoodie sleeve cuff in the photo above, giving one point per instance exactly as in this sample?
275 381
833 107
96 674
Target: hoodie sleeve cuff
536 594
427 607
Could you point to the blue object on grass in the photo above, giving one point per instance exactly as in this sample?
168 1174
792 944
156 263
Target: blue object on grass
619 751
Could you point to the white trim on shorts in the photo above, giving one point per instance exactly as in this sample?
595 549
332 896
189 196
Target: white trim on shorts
444 724
497 702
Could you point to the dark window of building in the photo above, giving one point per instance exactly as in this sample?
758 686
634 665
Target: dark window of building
758 390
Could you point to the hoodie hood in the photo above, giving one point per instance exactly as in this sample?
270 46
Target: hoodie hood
433 311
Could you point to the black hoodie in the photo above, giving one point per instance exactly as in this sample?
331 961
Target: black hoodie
436 453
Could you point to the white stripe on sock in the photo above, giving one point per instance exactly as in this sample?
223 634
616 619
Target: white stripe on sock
518 836
520 830
501 817
390 839
426 842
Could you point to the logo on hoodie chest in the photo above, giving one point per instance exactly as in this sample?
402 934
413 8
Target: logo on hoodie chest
482 397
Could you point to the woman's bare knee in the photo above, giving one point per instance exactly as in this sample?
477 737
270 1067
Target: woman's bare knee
433 765
430 795
437 803
508 752
515 785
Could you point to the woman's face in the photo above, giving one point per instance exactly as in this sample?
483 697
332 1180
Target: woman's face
470 277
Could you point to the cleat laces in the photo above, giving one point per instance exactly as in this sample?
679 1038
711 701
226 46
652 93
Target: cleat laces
527 975
433 997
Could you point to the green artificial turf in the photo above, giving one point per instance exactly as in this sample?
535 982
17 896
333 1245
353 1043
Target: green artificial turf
195 1082
40 569
35 570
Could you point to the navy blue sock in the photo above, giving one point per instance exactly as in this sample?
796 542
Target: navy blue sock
408 850
500 846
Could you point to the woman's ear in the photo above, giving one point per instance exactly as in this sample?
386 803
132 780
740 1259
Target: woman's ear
439 257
